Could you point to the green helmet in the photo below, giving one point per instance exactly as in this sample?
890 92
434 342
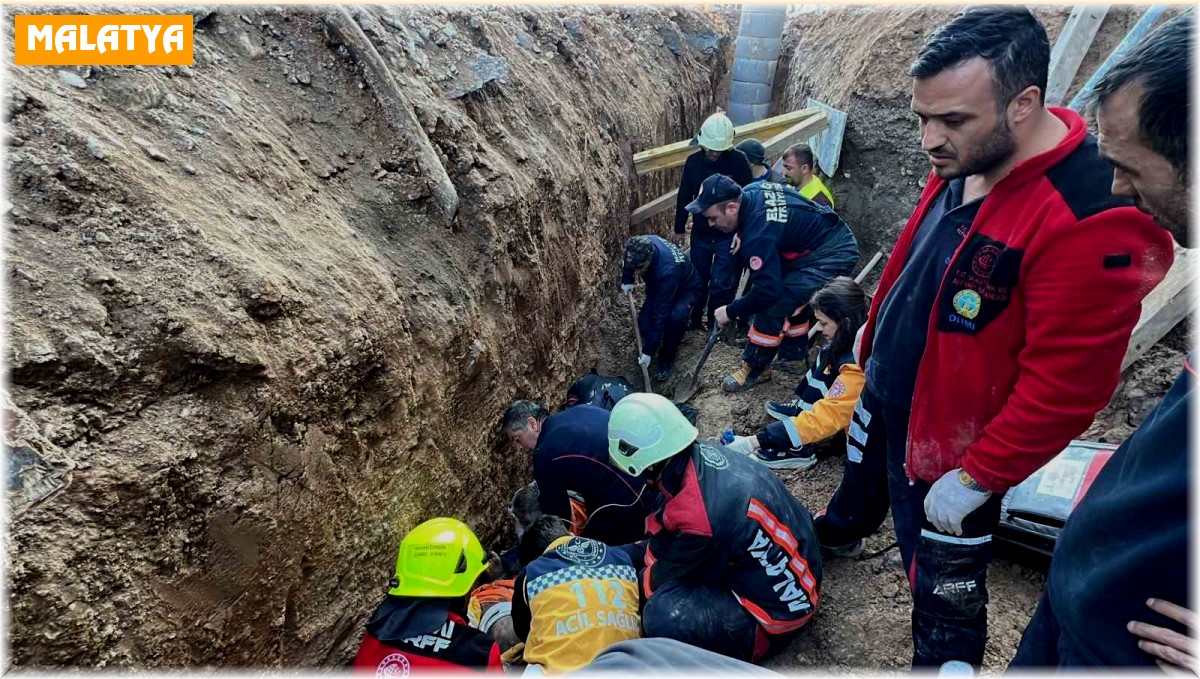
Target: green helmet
645 429
716 133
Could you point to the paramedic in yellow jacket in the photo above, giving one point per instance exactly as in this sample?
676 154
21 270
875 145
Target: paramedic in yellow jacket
799 168
575 598
825 407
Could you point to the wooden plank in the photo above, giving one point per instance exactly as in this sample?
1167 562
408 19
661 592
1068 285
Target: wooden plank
1164 307
654 207
796 133
774 145
862 276
674 155
1084 96
1070 48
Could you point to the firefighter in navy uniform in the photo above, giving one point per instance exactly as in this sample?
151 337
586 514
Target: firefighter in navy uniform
792 248
421 626
732 564
672 289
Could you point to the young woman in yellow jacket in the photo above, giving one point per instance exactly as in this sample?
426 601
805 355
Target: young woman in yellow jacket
825 398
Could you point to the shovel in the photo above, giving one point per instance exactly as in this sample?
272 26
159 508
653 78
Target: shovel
691 382
637 332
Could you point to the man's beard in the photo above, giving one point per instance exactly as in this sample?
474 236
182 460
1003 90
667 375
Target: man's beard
997 148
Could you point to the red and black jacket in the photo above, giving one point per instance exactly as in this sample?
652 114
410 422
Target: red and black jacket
730 522
1032 317
423 635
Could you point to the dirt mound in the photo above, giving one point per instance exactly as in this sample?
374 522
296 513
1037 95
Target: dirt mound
233 315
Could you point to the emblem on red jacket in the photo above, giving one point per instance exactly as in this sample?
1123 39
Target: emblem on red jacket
755 263
985 260
394 665
967 303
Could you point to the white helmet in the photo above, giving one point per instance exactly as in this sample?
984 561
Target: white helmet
645 429
716 134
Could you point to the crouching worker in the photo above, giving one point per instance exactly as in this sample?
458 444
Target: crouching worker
575 598
421 625
672 288
732 564
826 398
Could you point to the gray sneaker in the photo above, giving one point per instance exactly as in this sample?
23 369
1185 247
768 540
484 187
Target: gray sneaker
850 550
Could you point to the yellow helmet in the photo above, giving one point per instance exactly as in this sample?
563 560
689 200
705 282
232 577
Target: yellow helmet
439 558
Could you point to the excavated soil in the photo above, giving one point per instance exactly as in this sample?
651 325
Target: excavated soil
241 338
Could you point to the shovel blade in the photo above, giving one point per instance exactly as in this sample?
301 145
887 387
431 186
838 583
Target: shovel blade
687 388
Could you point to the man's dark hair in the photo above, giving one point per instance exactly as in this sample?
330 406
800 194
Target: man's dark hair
802 154
519 413
1161 64
537 539
638 251
1010 39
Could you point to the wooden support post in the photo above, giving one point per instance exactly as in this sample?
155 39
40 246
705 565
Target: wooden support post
1164 307
1070 48
660 204
674 155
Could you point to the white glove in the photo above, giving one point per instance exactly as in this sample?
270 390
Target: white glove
627 287
644 359
746 445
949 502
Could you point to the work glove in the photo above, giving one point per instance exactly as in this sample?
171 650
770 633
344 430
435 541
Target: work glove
627 287
746 445
644 359
949 501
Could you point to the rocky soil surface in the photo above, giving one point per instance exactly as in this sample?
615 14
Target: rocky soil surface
246 350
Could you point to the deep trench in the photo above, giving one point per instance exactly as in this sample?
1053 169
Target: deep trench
262 360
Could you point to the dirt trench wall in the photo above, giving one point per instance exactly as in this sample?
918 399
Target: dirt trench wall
231 319
855 59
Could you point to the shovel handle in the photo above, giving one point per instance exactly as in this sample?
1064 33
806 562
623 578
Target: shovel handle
637 332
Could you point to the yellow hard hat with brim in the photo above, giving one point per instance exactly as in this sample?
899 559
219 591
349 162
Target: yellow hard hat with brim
439 558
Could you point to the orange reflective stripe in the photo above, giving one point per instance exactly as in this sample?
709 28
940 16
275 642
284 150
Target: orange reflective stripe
771 625
763 340
650 561
579 517
787 541
797 330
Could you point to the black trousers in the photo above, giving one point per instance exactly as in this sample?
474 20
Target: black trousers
710 618
947 573
716 266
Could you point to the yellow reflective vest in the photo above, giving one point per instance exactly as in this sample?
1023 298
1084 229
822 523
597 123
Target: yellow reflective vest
815 186
583 598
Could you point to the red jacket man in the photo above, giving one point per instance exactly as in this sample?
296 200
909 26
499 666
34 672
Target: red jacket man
999 325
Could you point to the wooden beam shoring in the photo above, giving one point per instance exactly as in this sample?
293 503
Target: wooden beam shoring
1070 48
674 155
654 207
1165 306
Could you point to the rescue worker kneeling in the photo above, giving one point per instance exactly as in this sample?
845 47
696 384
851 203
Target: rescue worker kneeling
575 598
732 564
421 625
